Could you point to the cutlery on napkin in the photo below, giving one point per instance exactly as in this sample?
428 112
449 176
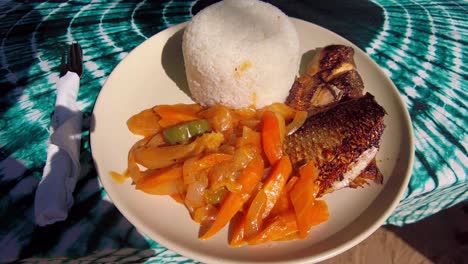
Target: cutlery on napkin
54 195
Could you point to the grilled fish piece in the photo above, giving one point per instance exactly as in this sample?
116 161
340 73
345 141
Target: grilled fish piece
331 77
343 142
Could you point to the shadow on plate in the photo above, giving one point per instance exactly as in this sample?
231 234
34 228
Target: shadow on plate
172 61
306 58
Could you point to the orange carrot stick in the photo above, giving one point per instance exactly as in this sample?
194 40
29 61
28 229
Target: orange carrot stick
284 203
249 178
144 123
237 237
267 197
174 114
271 137
319 213
161 181
282 226
303 197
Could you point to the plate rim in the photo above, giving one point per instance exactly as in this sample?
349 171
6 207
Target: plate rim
186 252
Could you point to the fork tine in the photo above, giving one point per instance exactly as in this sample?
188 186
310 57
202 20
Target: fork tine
75 58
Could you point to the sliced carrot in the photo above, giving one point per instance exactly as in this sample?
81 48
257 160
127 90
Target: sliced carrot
249 178
164 181
165 111
237 236
275 182
289 237
178 198
194 166
254 217
145 123
282 226
271 137
284 203
320 213
175 114
303 197
119 178
267 197
290 184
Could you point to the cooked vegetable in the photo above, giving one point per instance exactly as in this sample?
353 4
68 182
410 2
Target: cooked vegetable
145 123
205 214
282 109
281 226
117 177
174 114
182 133
132 167
220 118
160 157
237 237
299 119
195 166
248 179
267 197
303 197
226 166
271 137
161 182
284 203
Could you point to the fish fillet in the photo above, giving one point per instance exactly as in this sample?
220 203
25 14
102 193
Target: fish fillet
343 141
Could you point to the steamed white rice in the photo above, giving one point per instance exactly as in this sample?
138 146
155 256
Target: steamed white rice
240 53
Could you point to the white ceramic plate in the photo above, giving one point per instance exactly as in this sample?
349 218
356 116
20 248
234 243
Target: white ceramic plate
151 75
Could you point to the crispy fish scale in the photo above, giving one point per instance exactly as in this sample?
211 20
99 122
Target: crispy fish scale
334 139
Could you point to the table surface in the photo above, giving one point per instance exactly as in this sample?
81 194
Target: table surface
420 45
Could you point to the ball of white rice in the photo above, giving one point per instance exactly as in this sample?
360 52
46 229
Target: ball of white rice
240 53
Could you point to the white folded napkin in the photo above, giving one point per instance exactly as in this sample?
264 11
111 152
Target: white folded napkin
54 195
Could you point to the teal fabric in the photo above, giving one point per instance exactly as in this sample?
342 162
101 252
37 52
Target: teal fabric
421 45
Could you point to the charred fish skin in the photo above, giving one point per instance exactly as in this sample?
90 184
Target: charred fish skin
334 60
350 83
331 76
336 139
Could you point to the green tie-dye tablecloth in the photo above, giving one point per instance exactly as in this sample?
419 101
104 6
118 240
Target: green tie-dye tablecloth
421 45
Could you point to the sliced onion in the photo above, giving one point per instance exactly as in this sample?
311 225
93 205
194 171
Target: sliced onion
299 119
205 214
282 126
133 171
195 195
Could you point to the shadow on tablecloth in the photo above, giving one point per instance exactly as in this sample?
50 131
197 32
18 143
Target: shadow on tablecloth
442 238
345 18
94 230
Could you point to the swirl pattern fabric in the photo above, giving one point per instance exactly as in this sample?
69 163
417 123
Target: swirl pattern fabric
421 46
